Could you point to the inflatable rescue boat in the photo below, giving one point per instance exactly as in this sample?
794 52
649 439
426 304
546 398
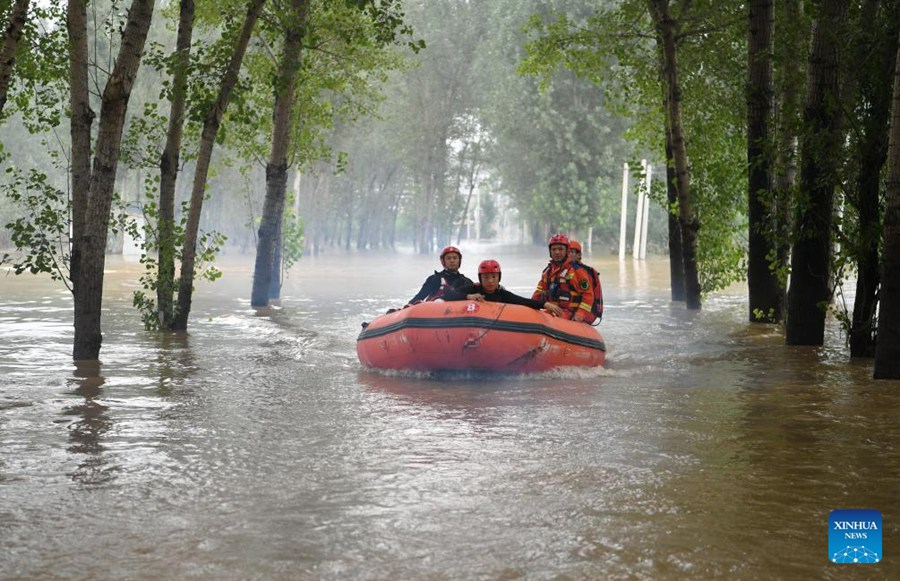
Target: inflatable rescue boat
481 336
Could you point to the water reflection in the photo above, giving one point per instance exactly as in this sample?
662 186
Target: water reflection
92 423
440 397
175 361
477 393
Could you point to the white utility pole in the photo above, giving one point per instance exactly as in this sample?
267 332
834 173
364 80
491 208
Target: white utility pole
623 220
638 220
648 170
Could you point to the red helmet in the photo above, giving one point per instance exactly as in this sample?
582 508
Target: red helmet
558 239
488 266
450 249
574 245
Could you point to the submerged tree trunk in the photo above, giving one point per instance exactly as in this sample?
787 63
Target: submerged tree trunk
887 350
764 294
786 157
91 240
820 155
666 31
266 272
275 279
204 156
168 169
676 256
17 17
871 156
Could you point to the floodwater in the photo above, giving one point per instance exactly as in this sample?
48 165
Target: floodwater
257 447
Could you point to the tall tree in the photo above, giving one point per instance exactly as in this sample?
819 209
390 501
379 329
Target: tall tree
168 166
666 29
277 167
676 254
211 123
887 350
765 296
820 155
707 40
92 188
869 107
790 43
324 87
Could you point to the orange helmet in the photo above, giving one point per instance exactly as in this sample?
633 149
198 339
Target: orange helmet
488 266
574 245
558 239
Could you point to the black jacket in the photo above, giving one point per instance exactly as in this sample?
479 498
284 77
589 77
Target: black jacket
501 295
433 284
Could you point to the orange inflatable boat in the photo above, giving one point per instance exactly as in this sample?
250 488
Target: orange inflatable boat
481 336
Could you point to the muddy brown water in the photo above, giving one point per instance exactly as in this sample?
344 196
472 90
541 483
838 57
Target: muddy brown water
256 447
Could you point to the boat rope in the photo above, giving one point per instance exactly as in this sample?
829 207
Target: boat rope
474 342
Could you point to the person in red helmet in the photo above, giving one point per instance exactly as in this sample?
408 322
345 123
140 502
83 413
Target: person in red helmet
565 284
489 289
575 258
437 284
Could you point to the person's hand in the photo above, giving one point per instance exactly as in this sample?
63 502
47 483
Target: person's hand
555 310
578 318
475 297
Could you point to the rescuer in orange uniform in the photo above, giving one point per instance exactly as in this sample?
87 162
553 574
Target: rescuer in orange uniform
575 258
566 284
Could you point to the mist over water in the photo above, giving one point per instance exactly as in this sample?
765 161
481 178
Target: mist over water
256 445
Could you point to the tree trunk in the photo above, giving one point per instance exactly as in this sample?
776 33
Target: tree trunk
788 126
473 173
369 203
82 118
764 293
688 222
91 242
277 262
465 213
266 271
17 17
676 255
204 156
269 232
168 169
887 350
820 155
871 157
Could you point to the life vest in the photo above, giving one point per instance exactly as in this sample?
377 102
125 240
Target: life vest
558 286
